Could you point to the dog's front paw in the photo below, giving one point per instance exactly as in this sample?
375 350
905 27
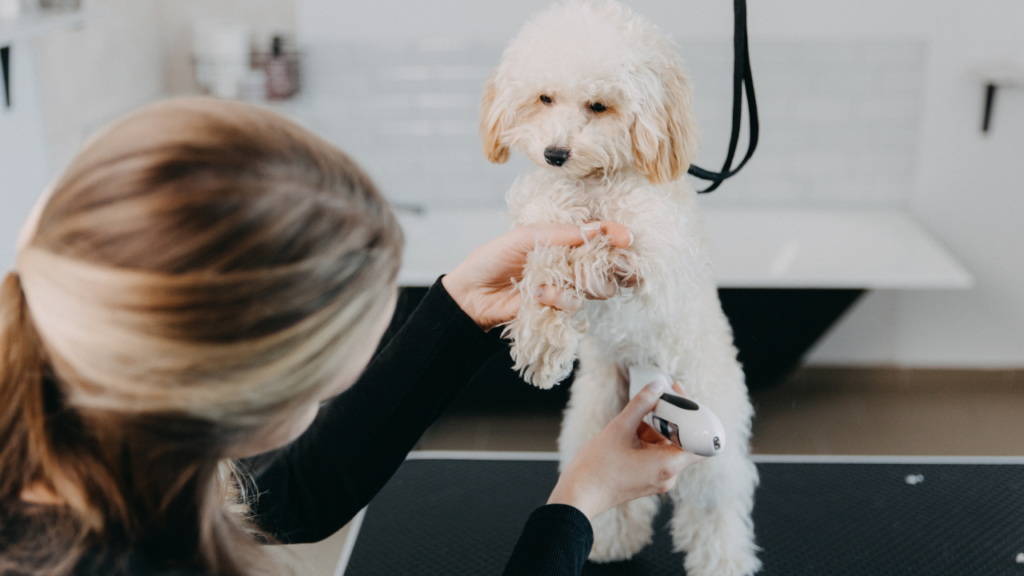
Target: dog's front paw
599 269
545 342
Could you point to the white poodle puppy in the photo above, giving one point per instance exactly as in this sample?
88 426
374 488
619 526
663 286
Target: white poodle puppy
597 98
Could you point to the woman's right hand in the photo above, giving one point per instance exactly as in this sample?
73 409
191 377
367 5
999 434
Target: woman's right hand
625 461
482 285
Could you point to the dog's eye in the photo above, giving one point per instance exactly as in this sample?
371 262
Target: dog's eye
597 107
545 98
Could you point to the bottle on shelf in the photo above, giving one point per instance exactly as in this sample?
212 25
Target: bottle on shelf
282 69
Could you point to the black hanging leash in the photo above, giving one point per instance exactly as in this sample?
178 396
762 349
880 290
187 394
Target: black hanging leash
740 76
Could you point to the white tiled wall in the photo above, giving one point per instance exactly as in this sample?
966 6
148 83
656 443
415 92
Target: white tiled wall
838 120
408 114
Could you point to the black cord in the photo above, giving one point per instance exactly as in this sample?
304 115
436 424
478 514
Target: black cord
741 77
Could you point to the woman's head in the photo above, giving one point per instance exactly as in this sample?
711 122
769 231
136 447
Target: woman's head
201 273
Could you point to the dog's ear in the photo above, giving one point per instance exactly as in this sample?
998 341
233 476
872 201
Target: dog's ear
494 120
664 135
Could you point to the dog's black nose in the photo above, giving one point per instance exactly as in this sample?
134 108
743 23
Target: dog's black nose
556 156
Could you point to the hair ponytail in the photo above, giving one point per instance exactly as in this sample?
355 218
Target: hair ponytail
24 442
30 406
22 402
44 443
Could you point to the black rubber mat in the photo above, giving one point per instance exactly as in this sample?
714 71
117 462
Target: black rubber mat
462 517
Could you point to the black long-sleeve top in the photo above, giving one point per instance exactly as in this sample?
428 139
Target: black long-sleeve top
314 486
319 483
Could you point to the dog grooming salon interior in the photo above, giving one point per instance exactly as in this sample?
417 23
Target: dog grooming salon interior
868 258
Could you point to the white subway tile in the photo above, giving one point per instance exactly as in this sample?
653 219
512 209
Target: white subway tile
410 128
463 72
447 100
390 101
404 73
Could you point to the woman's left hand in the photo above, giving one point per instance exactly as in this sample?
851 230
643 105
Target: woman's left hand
482 284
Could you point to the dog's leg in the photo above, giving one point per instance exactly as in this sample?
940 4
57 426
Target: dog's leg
545 339
714 499
711 521
599 392
624 530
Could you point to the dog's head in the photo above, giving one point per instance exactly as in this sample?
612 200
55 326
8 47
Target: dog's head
591 89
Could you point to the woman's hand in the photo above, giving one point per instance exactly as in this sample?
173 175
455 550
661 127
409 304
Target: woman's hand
482 284
625 461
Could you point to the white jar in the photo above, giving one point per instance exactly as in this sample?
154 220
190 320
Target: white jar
222 56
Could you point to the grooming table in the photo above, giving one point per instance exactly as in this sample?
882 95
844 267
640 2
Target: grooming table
460 513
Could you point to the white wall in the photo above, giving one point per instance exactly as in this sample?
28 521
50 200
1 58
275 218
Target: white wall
963 186
94 74
68 84
23 150
967 191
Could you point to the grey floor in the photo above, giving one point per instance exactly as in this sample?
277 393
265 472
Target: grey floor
817 411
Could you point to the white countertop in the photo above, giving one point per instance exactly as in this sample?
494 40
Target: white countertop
781 248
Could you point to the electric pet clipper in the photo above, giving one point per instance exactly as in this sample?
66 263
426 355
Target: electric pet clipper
685 422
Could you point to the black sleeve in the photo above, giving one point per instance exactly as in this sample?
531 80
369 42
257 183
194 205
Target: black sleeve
314 486
555 542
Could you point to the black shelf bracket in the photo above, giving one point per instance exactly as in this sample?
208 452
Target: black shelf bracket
5 65
995 77
990 97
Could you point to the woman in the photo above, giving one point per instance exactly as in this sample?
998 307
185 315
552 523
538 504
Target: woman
201 284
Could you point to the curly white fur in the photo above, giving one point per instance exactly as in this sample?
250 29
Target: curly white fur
624 165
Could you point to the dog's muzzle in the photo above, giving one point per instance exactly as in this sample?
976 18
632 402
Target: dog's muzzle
556 156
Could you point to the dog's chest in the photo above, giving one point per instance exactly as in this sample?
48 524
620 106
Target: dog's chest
621 202
632 202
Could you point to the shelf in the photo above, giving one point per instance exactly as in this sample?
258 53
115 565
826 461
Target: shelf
790 248
32 24
815 248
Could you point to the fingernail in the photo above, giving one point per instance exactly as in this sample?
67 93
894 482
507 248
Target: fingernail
656 387
585 229
630 240
538 292
568 301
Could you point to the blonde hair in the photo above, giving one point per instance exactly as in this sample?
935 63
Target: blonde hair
201 270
